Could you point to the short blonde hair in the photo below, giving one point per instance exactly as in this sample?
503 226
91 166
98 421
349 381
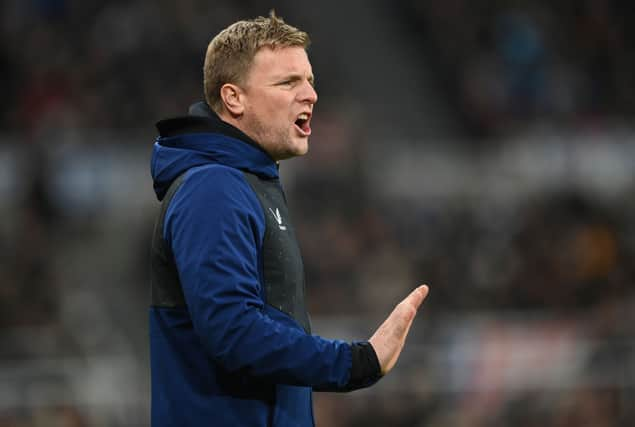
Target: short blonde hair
231 53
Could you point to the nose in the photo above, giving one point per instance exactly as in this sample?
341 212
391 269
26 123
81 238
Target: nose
308 93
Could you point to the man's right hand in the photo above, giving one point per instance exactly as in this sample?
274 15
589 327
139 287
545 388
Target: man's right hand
390 337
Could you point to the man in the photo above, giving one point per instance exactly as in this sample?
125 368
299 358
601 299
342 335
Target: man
230 336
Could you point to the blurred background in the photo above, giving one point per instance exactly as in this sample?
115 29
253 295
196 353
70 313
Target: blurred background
484 148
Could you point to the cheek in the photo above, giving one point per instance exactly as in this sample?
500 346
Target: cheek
278 107
273 111
279 118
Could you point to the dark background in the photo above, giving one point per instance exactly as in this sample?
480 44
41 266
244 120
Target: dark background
484 148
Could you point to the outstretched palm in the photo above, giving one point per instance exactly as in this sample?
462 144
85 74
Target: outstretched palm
390 337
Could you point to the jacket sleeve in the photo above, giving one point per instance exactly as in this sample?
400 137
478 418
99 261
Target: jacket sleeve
215 227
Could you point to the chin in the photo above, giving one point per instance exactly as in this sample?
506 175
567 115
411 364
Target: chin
292 153
289 147
301 151
299 148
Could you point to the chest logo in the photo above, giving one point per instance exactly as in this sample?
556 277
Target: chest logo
278 218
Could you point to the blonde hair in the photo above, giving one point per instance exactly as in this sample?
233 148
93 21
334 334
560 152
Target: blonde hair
231 53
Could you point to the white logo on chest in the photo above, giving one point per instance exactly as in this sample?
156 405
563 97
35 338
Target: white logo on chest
278 218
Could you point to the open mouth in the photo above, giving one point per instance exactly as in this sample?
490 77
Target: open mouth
303 123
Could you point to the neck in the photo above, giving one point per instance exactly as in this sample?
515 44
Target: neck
232 120
239 124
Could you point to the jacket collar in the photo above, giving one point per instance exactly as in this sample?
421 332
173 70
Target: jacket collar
203 139
202 120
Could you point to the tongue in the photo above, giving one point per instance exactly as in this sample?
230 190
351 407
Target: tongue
304 125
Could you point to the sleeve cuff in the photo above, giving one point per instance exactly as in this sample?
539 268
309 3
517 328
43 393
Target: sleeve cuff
365 368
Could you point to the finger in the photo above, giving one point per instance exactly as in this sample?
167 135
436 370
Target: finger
407 309
398 322
417 296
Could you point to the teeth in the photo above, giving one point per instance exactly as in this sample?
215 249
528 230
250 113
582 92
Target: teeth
303 116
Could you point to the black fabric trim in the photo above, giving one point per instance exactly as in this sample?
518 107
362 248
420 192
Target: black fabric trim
281 258
165 287
201 119
365 369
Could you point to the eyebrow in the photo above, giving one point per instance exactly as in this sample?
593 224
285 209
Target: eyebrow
295 77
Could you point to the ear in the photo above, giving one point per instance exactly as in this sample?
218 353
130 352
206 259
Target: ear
232 97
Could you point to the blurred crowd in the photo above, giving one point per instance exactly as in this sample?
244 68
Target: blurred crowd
513 64
115 64
553 269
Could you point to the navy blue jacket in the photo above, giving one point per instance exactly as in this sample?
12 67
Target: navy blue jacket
221 353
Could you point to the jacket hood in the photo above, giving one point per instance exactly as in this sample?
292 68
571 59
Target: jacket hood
202 138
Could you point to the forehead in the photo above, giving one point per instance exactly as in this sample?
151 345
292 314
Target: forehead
278 62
